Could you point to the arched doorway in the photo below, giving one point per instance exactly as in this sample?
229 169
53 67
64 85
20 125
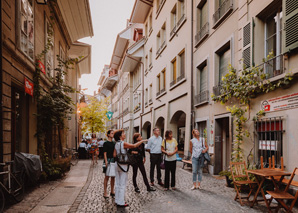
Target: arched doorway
160 123
146 130
177 125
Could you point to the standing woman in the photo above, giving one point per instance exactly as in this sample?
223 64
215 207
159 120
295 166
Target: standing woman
198 146
94 149
169 147
139 154
122 169
108 151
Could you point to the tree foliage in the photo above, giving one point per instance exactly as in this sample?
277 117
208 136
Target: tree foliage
94 115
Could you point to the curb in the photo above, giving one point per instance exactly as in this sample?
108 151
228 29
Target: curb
74 207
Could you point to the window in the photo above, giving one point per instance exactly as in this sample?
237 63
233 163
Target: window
146 63
163 80
49 43
202 87
62 58
224 61
150 93
273 27
270 139
222 9
27 28
150 23
181 9
163 33
161 83
146 29
182 65
158 42
202 22
158 84
173 20
174 72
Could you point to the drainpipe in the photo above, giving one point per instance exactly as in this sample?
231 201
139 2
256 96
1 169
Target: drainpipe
142 73
1 114
191 78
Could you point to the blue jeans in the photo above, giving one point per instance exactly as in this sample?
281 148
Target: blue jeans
197 170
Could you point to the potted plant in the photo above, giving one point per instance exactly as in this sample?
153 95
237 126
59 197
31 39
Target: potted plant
228 176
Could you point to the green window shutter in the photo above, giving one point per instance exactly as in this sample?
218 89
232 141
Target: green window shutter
290 20
246 54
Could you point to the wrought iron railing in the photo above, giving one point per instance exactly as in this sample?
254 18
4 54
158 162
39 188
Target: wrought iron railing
202 97
202 33
273 67
223 9
125 112
181 20
173 31
160 5
175 81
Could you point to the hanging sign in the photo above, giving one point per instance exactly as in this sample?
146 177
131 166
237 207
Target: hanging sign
280 103
109 115
29 87
41 67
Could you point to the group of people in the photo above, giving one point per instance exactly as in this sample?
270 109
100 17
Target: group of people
162 155
91 148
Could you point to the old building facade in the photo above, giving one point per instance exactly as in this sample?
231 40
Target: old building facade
26 28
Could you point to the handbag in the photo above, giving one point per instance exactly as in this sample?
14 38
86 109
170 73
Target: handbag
122 158
111 170
206 155
162 164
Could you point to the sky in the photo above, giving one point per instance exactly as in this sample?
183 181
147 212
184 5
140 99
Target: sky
109 17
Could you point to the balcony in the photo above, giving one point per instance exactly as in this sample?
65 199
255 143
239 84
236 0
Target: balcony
273 67
137 108
160 92
178 79
222 12
202 97
181 20
217 90
202 34
173 31
161 48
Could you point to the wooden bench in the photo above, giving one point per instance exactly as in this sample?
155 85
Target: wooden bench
186 162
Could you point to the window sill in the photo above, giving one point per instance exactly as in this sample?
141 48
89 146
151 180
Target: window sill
221 19
202 103
160 95
136 110
178 83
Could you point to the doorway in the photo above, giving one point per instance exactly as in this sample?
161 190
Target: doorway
19 121
223 145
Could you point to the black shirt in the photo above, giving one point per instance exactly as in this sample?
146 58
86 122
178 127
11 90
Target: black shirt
140 150
108 147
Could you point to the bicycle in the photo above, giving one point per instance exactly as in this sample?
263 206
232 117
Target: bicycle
15 185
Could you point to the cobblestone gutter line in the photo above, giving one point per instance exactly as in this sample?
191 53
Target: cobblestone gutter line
82 193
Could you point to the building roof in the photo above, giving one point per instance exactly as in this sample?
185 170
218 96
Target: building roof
140 11
77 17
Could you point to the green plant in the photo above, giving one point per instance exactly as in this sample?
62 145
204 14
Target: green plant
240 87
225 173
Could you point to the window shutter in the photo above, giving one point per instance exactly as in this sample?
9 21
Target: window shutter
203 79
290 20
246 54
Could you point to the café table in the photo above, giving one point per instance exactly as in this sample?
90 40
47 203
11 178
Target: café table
261 175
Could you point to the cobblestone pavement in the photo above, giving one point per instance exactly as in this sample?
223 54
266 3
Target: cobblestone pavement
32 197
214 196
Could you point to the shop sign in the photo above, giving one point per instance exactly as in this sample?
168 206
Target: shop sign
280 103
268 145
41 67
29 87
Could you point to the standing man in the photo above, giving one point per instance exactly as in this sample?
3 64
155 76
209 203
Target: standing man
154 147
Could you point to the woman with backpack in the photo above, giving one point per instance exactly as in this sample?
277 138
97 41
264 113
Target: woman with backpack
120 153
140 157
198 146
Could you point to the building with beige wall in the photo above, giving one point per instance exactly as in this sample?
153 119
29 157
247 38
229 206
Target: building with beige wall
25 32
175 60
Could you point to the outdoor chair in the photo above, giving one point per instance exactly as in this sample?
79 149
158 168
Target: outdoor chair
280 196
240 179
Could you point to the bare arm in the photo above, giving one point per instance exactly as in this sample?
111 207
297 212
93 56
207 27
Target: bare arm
190 147
115 153
131 146
105 158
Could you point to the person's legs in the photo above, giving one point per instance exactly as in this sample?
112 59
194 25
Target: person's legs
122 187
152 166
143 171
113 185
117 188
195 166
134 176
200 175
158 168
105 186
173 173
167 174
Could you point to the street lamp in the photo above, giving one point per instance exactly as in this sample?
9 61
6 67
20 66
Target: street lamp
42 2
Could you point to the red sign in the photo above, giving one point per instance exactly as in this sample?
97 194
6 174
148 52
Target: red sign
29 87
41 67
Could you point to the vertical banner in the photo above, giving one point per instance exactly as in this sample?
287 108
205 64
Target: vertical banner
29 87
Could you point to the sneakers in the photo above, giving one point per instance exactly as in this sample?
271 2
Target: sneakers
151 189
137 190
193 188
122 206
160 183
152 183
199 187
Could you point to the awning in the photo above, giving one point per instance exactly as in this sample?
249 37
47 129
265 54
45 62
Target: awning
110 82
78 49
134 55
140 11
77 17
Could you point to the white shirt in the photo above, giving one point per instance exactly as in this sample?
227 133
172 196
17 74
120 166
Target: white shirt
197 147
154 144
